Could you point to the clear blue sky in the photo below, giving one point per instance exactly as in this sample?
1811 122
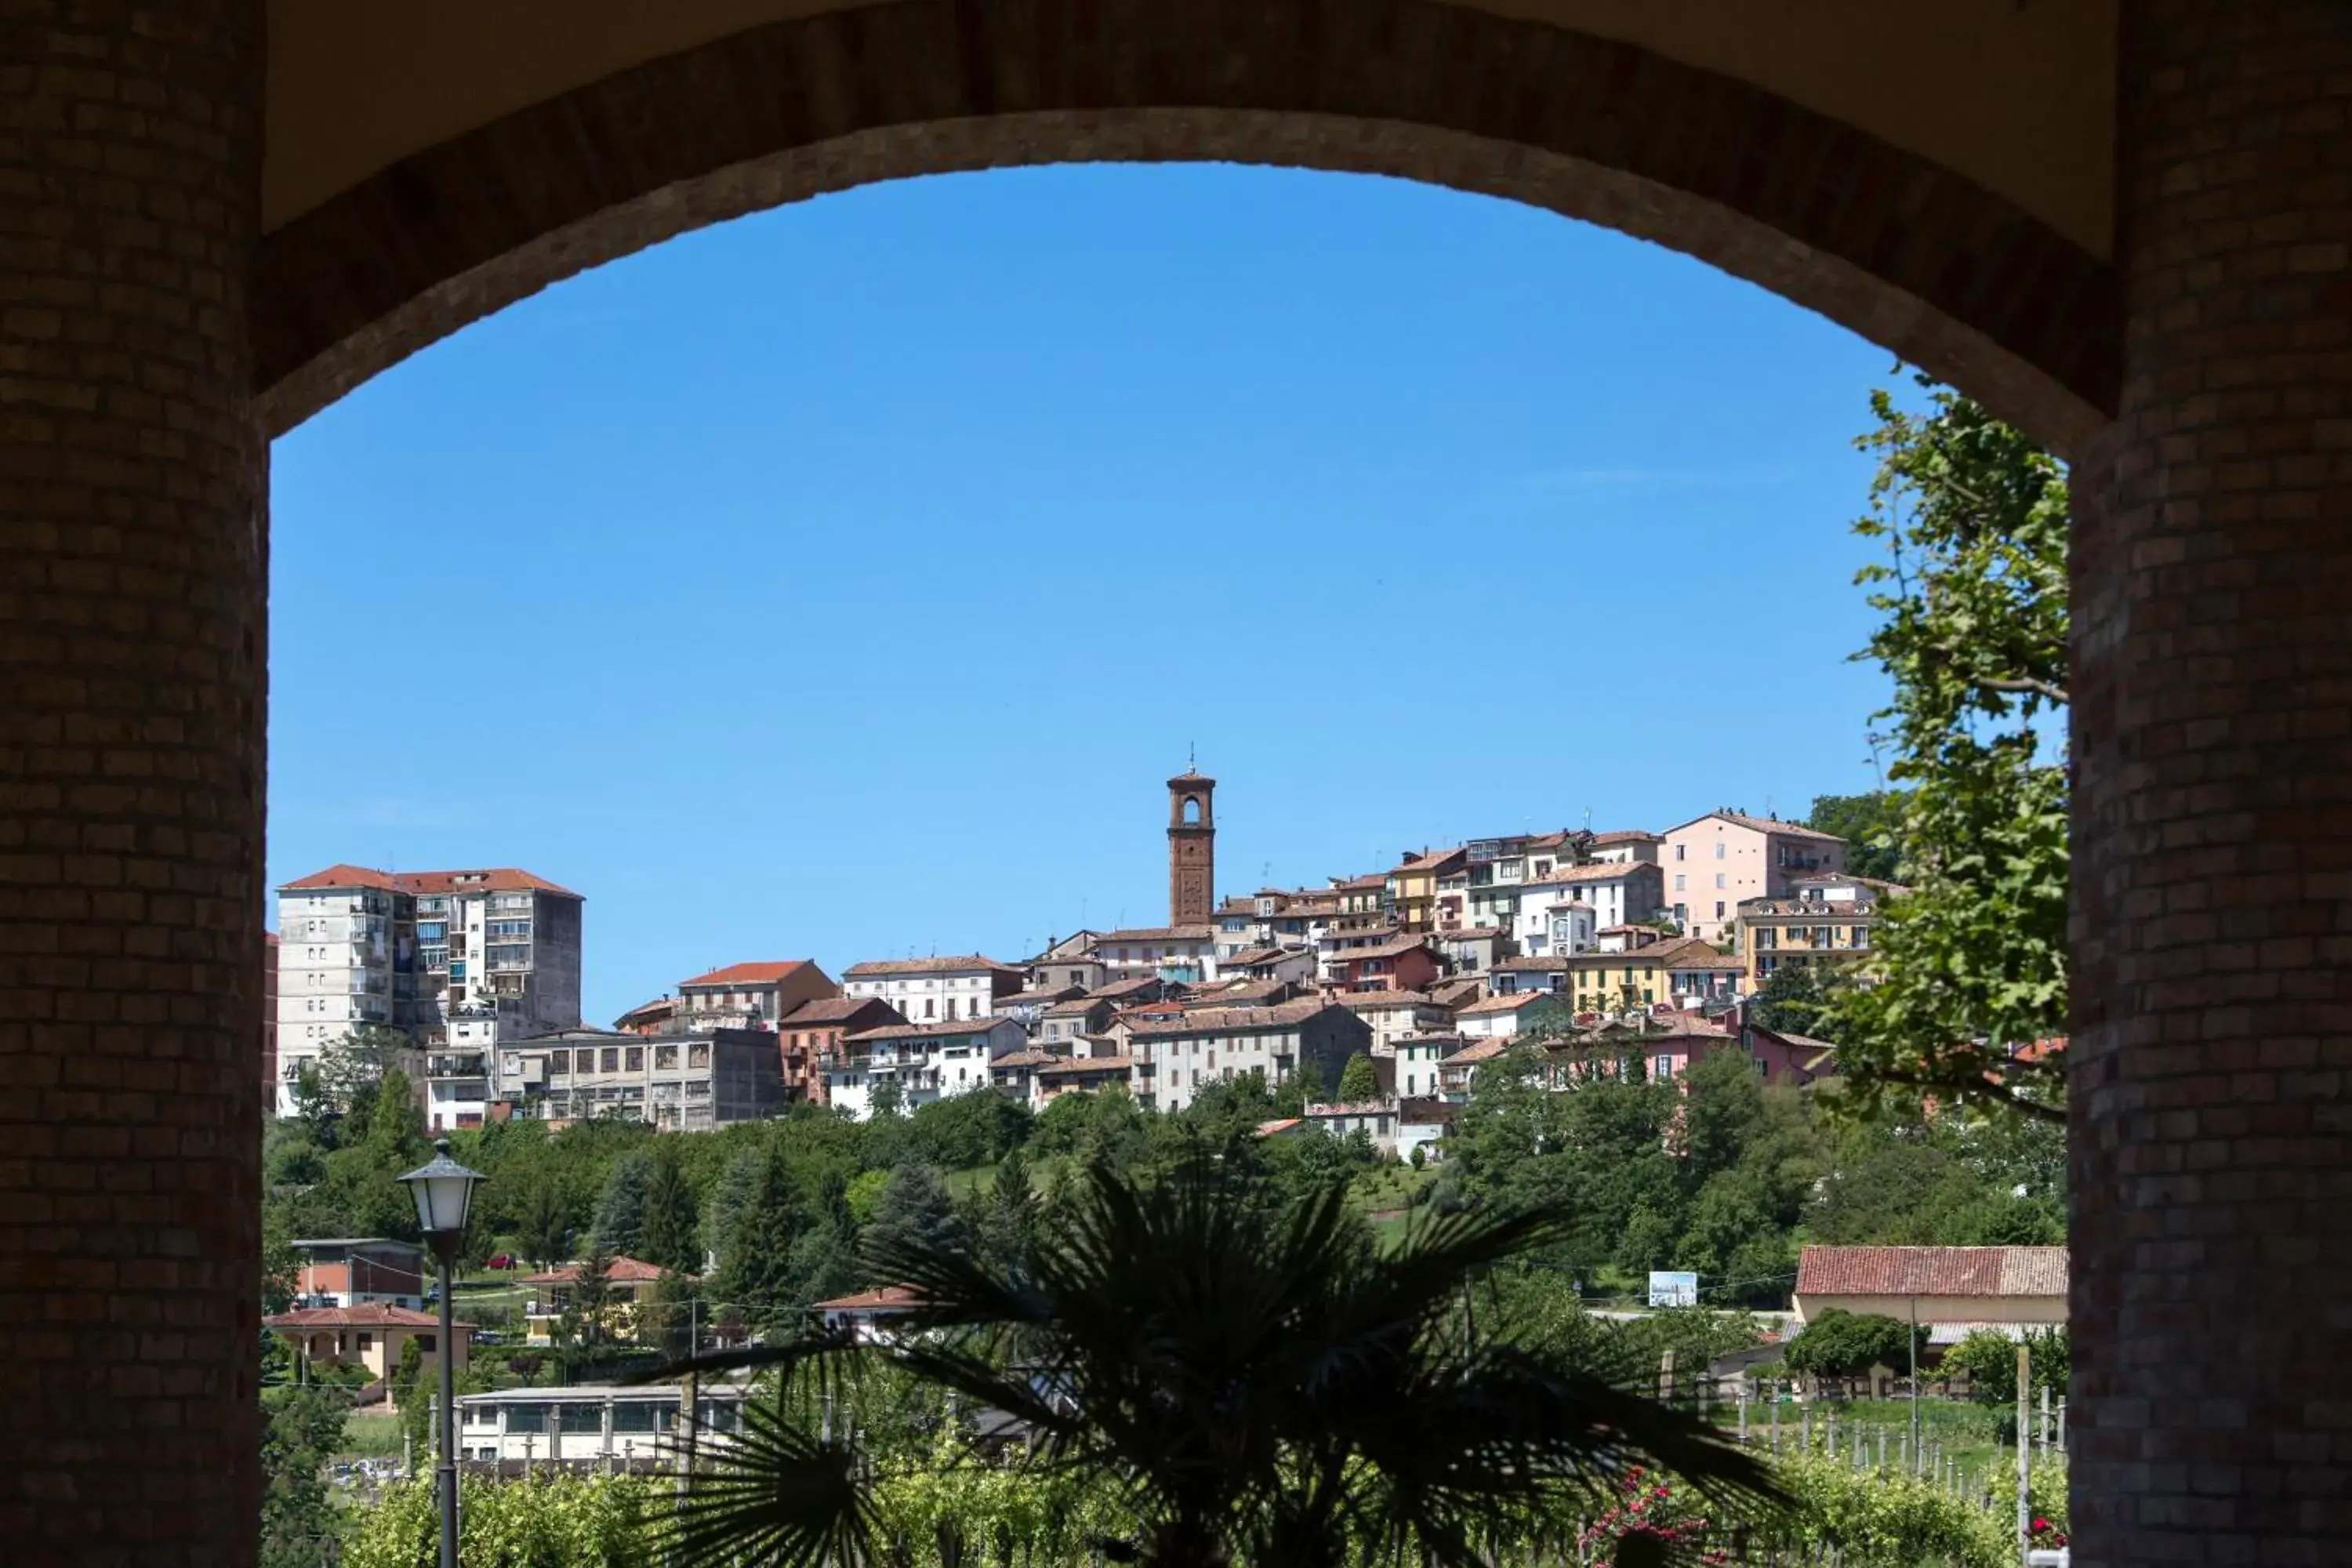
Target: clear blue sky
849 579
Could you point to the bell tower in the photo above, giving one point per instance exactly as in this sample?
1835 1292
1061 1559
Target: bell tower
1191 848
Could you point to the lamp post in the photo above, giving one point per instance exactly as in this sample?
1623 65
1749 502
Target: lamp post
444 1191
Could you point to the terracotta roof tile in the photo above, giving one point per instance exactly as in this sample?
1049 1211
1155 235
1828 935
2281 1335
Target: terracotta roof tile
1372 1001
957 962
1760 824
1932 1271
623 1271
1076 1067
933 1027
493 879
831 1010
1235 1020
756 974
365 1315
867 1301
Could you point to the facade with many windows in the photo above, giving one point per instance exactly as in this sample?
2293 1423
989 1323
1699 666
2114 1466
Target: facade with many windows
413 950
678 1081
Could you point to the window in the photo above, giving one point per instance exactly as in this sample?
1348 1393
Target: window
636 1059
582 1418
1678 882
1719 909
1718 849
1719 879
367 1340
526 1419
1666 1065
610 1059
1678 850
559 1061
638 1415
424 1342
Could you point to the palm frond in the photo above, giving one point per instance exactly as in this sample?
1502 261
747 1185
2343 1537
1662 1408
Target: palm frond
775 1496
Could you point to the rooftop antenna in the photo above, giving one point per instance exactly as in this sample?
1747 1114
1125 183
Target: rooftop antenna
1192 757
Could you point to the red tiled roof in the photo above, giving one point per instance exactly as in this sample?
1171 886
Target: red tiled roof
660 1005
1628 836
953 963
623 1271
1760 824
492 879
1931 1271
867 1301
934 1026
365 1315
765 973
831 1010
1372 1001
1234 1020
1078 1067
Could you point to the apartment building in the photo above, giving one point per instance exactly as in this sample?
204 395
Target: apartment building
1184 955
358 1271
809 1038
1413 888
1828 921
1392 1014
409 950
1400 964
593 1427
1681 971
750 995
924 1060
1175 1057
935 990
1575 902
684 1082
1714 863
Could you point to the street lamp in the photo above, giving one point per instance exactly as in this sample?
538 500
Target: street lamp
444 1191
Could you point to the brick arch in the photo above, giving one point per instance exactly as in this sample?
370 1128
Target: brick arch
1900 250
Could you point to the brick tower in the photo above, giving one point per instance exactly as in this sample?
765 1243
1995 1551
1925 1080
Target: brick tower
1191 848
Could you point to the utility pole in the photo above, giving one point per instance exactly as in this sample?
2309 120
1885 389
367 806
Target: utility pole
2024 1450
1915 1386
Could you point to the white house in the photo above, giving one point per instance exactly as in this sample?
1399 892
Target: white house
926 1061
1396 1014
1417 1056
1501 1017
1610 891
593 1427
1185 954
935 990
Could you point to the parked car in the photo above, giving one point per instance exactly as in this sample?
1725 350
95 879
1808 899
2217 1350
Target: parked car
502 1260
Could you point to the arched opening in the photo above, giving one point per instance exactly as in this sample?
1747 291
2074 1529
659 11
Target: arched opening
1191 811
2212 555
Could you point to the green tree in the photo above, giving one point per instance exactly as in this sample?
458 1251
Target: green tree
1008 1223
302 1429
1793 1001
1869 825
620 1208
545 1233
355 1063
411 1397
1988 1360
1970 963
589 1296
670 1227
755 1268
914 1213
1839 1343
884 1099
1359 1084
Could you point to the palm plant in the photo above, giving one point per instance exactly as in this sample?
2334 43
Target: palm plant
1264 1380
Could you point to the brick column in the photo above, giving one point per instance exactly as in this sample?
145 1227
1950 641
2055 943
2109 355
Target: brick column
131 479
2211 1142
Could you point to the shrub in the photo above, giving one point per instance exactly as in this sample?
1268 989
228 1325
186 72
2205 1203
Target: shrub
1840 1344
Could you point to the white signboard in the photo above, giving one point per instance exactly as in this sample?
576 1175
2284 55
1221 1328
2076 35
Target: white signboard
1672 1290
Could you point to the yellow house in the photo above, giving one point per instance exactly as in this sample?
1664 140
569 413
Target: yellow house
629 1284
1412 887
1677 970
1836 929
371 1334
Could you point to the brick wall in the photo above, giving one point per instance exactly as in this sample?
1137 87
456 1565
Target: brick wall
130 781
2211 1142
1897 249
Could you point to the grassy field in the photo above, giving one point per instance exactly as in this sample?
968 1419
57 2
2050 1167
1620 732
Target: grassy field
369 1432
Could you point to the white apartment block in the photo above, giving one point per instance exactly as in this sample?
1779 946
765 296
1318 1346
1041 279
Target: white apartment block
926 1061
1612 892
1174 1057
1184 954
594 1427
416 950
934 990
1713 862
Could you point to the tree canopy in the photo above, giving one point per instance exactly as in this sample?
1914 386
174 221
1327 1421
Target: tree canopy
1839 1343
1970 964
1870 824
